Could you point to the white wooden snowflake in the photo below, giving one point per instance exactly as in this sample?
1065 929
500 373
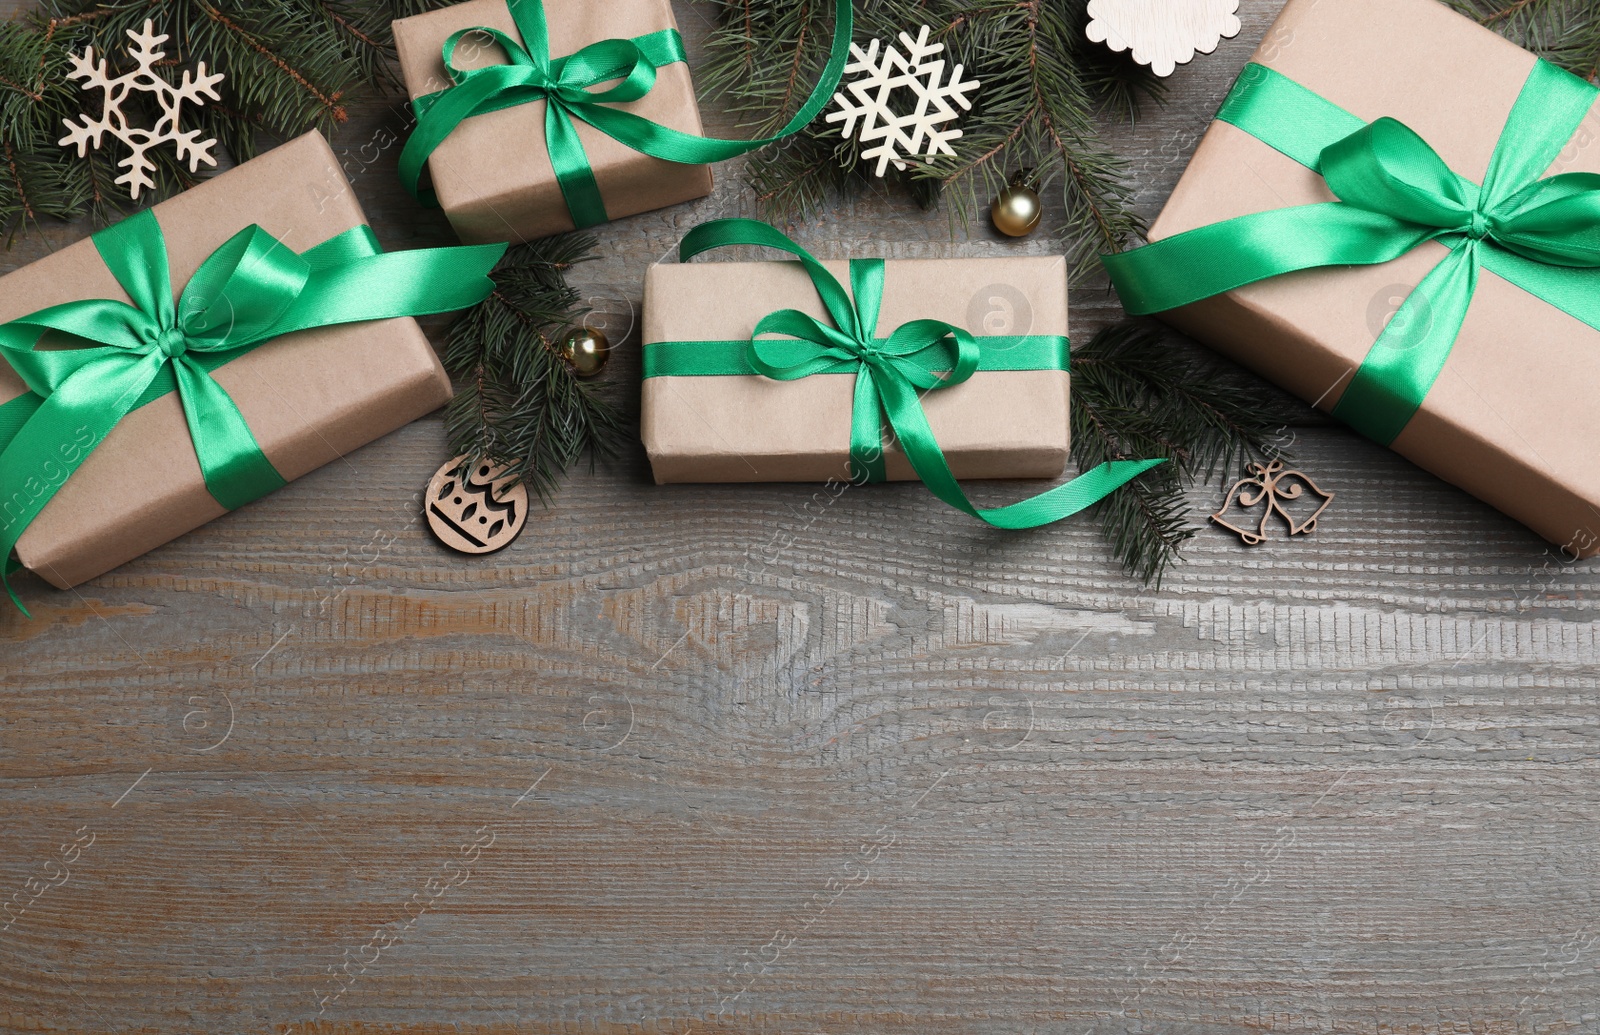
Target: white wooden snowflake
898 137
1163 33
194 87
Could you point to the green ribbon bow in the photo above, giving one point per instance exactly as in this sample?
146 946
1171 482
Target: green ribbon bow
889 373
249 291
1395 193
571 88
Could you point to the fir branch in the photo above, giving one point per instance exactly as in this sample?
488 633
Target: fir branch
332 109
38 179
364 26
1043 84
1564 32
287 71
1136 395
291 66
520 403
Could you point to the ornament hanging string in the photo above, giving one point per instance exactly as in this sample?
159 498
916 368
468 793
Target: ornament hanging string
570 86
1396 194
925 355
249 291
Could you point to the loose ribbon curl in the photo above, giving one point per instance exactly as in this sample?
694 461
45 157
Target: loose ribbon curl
1396 193
888 371
570 86
252 289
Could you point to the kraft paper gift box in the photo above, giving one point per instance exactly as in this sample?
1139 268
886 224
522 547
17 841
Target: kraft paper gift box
1512 417
493 175
748 428
308 397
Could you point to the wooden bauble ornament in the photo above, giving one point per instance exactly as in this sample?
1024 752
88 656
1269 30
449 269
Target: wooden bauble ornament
586 350
1016 212
479 513
1163 33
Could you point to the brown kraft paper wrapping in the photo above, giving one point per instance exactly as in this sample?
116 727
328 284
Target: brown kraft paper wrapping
999 424
1512 418
493 174
309 397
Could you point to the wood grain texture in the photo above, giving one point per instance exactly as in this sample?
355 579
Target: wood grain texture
705 759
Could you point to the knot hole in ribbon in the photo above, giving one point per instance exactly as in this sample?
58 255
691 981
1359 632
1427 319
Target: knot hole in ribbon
172 342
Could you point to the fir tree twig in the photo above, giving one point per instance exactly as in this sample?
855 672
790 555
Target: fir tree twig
1136 396
1043 86
520 402
291 66
1564 32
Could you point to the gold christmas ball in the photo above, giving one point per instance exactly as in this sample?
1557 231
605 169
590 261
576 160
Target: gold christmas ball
1016 211
586 350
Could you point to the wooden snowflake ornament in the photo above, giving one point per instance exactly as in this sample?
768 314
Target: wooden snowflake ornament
1163 33
899 137
193 88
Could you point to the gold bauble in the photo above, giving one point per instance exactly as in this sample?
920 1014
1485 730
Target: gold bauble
1016 211
586 350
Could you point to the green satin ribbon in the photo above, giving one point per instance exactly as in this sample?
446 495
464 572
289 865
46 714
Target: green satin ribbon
1396 193
1000 352
571 86
249 291
925 355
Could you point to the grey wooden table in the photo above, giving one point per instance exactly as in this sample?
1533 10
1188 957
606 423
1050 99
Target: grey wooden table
642 773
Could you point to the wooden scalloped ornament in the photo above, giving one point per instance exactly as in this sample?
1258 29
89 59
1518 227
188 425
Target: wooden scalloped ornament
478 513
1163 33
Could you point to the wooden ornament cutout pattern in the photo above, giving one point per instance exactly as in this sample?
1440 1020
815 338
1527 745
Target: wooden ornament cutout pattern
478 514
193 88
864 101
1163 33
1277 491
